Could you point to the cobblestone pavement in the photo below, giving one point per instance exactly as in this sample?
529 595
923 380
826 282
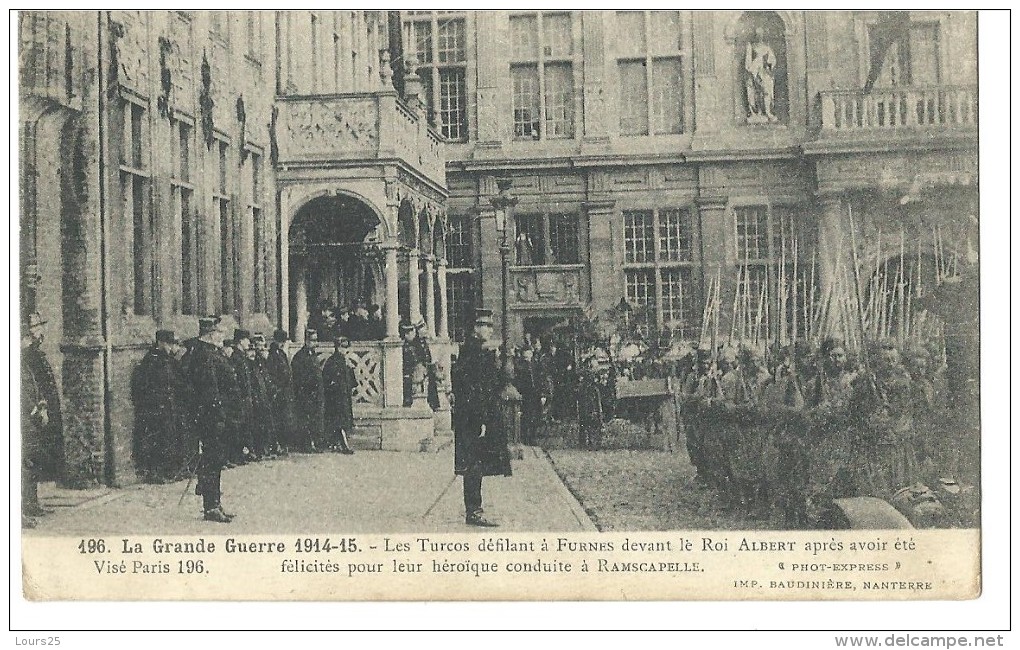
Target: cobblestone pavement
369 492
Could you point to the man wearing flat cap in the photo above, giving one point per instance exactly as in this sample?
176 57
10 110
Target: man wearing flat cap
308 395
163 444
210 375
480 443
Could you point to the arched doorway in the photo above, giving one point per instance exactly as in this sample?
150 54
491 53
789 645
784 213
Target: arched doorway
334 263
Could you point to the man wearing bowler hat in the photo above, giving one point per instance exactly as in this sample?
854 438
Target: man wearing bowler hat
211 375
480 446
164 448
41 432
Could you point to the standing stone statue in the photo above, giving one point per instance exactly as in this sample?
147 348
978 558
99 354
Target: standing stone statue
760 66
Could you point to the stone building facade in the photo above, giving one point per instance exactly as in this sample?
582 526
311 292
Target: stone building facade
165 155
645 167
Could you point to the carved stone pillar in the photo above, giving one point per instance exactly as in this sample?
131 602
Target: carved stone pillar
413 287
430 298
392 313
443 322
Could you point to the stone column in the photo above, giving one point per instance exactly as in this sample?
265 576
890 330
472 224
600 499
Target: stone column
392 313
430 298
443 323
300 305
832 246
413 288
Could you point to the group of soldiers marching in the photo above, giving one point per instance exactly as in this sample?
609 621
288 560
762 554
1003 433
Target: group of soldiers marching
789 431
210 403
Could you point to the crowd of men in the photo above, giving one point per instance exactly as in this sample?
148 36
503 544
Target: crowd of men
359 322
210 403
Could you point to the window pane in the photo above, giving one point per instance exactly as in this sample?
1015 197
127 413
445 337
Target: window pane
226 257
639 236
784 235
525 101
188 257
458 243
461 301
630 26
633 98
256 178
184 152
559 100
135 206
258 260
753 298
529 240
524 37
674 236
665 32
223 168
422 35
137 114
924 55
667 94
640 290
680 301
452 92
563 239
752 233
451 41
556 28
425 74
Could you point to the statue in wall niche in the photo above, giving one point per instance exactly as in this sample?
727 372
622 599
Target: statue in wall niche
760 67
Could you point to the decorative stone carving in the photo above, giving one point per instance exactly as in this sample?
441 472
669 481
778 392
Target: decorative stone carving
131 49
554 287
325 127
760 80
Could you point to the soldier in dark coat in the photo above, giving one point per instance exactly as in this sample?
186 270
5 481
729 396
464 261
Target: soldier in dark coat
589 406
412 352
266 429
281 390
338 388
210 375
308 396
163 449
243 447
425 358
480 442
41 428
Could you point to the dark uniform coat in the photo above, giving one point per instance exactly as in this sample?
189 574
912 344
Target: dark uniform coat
281 393
476 388
212 380
265 431
244 430
308 397
338 386
42 441
164 445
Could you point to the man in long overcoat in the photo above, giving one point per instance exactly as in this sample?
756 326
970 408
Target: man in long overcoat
308 395
480 442
211 375
266 428
243 447
41 432
338 388
281 389
162 418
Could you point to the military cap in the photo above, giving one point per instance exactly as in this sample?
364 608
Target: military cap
280 336
483 317
241 334
406 327
166 336
419 324
208 324
343 341
258 339
311 334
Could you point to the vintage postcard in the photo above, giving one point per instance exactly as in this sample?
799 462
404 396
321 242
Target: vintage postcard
499 305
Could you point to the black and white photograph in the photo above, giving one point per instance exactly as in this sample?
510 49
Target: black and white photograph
331 283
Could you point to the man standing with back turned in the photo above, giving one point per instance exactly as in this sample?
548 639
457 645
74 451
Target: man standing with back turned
480 447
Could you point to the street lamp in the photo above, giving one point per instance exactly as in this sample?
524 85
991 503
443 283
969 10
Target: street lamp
504 203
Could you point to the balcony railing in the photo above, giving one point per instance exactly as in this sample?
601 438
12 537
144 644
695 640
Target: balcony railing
354 127
936 107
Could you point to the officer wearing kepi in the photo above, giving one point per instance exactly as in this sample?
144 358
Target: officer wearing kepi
480 443
210 373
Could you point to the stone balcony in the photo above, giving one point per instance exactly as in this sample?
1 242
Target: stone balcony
898 111
357 128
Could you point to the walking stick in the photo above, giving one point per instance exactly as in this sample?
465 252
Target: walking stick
440 497
191 475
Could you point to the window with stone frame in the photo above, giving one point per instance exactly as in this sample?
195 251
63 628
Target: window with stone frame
662 269
459 252
542 75
912 59
650 71
461 300
440 47
222 208
261 289
253 35
136 204
192 237
773 270
547 238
